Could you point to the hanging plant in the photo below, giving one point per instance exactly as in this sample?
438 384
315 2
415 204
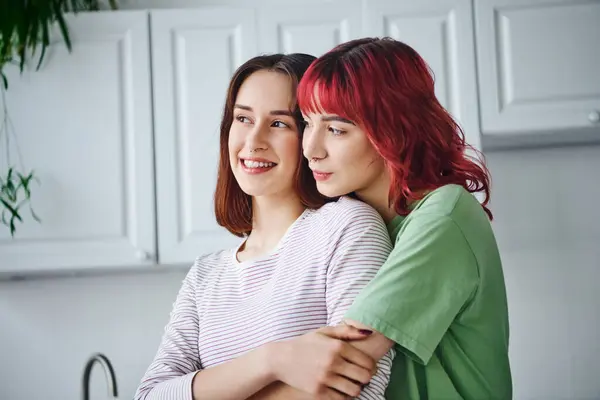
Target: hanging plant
15 186
25 27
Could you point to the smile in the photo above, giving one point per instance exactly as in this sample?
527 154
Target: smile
256 166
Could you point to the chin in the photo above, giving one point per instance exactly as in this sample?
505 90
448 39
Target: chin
253 191
262 190
329 191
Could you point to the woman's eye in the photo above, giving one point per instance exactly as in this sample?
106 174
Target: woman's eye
280 124
336 131
242 119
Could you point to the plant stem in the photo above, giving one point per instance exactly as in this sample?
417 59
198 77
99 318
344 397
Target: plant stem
4 127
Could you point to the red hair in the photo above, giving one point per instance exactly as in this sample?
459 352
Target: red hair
233 207
387 89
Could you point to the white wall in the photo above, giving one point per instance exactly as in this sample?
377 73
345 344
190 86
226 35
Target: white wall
548 227
48 329
547 210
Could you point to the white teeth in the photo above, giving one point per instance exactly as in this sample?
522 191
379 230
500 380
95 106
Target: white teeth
258 164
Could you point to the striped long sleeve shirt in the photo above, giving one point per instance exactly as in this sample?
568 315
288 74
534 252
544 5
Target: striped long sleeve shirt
226 308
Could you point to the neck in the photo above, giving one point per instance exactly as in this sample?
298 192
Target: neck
271 218
377 196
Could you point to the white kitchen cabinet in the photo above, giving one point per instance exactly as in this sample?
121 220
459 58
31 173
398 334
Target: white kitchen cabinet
441 31
308 29
83 122
539 65
194 54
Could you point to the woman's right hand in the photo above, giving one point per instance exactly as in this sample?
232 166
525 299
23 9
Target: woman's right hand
322 364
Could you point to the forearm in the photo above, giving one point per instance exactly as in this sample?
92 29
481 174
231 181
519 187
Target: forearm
376 346
237 379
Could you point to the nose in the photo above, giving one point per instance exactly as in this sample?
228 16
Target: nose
313 144
257 137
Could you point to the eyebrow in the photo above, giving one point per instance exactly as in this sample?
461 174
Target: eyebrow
337 118
273 112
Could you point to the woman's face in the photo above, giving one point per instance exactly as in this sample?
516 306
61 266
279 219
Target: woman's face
263 139
342 158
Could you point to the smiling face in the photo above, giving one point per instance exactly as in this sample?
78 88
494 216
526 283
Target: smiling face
263 138
342 158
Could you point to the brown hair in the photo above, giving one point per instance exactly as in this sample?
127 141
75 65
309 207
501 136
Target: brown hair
233 207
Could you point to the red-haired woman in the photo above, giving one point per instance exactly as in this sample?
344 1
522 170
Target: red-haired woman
376 129
248 318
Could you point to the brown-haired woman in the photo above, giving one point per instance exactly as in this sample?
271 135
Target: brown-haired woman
249 317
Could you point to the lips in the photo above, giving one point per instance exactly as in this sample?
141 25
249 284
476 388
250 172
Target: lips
321 176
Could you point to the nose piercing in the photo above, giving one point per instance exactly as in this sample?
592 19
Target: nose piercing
256 149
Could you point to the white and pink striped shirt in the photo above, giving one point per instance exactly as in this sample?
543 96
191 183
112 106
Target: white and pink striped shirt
226 308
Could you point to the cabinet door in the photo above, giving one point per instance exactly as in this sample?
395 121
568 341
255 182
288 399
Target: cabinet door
83 122
539 64
194 54
311 29
441 32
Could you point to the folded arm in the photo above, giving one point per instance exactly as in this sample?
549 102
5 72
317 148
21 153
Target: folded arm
176 372
377 346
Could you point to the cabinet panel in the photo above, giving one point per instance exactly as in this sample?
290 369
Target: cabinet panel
83 122
308 29
538 62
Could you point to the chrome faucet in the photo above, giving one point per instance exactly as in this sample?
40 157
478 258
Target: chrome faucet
109 372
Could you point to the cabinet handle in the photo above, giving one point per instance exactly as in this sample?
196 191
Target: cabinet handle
143 255
594 117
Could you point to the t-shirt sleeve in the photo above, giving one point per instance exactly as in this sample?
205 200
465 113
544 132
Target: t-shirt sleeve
360 251
170 374
427 279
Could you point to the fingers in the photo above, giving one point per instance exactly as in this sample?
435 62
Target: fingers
345 332
353 372
345 350
357 357
344 386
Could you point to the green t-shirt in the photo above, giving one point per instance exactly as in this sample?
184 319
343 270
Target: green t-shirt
441 297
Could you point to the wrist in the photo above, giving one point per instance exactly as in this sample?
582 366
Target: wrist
269 361
273 356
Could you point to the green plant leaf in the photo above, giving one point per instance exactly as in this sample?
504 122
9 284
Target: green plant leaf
33 15
3 217
12 226
45 42
9 174
11 186
24 183
13 210
4 80
34 215
64 30
8 21
74 5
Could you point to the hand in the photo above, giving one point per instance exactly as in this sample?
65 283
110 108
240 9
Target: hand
322 364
